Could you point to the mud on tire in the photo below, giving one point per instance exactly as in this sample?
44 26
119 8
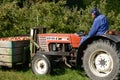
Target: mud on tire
101 61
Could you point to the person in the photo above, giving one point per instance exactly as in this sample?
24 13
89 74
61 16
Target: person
99 26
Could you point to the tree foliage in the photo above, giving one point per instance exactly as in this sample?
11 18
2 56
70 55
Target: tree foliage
59 16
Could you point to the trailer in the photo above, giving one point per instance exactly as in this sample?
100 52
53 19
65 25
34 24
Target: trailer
13 50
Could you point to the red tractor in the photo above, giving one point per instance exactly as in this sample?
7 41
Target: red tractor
99 55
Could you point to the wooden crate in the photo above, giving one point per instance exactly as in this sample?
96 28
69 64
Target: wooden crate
12 51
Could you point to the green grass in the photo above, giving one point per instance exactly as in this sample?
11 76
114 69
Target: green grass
26 74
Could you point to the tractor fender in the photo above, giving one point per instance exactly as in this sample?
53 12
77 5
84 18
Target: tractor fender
83 46
113 38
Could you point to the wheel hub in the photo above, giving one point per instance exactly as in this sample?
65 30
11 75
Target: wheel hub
103 62
41 67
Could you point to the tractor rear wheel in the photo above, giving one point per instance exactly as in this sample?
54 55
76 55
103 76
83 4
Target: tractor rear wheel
40 64
101 61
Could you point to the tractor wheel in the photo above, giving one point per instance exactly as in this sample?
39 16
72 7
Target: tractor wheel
101 61
40 64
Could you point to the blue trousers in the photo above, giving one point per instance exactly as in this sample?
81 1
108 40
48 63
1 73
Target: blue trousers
83 39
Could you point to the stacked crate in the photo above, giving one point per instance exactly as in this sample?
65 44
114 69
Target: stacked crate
12 50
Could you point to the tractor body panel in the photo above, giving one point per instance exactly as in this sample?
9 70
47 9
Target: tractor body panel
44 40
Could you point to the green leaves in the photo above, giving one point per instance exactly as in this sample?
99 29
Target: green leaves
17 19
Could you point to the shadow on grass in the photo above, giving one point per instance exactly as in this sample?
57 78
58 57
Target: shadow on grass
19 67
58 69
79 69
61 69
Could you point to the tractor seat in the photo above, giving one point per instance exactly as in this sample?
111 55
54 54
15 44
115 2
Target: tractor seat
113 32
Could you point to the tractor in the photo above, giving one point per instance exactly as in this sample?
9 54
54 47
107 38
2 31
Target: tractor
98 55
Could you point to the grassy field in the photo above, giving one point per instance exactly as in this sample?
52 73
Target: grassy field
26 74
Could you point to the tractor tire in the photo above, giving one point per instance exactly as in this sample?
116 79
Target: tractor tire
101 61
40 64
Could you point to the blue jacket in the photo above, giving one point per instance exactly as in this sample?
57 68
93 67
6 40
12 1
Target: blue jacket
100 26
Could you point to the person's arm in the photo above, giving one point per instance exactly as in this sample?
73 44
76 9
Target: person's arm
94 29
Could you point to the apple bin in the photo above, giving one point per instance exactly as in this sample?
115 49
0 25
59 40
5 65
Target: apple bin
13 50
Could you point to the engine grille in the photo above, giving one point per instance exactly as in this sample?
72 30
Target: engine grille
43 43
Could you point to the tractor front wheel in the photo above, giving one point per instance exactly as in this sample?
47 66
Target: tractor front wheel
40 64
